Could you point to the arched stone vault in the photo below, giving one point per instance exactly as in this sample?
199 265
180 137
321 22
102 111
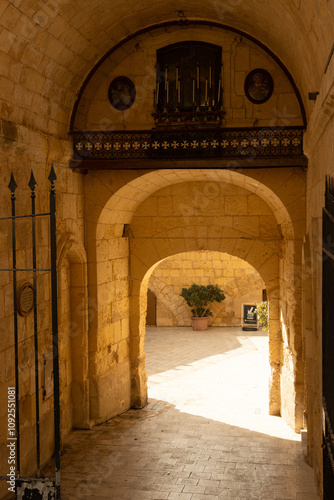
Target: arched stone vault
55 45
91 108
146 254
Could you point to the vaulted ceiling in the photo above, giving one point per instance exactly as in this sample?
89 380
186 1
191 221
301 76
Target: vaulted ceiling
47 48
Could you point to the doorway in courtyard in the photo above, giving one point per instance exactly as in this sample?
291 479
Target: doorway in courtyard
198 216
206 370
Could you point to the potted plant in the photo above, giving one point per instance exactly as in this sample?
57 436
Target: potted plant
199 298
263 315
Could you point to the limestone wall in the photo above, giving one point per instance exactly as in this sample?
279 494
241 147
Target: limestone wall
240 282
23 149
229 212
319 147
93 302
47 49
104 265
109 357
137 60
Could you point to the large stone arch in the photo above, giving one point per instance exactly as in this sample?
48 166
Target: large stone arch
156 36
110 238
47 51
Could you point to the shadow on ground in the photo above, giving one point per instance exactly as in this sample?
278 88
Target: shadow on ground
160 452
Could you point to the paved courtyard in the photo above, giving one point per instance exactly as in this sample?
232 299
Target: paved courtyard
205 434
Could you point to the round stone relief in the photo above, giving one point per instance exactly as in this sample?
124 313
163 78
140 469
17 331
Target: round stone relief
259 86
25 299
122 93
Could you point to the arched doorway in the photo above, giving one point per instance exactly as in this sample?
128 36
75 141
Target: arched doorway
151 317
162 213
207 372
73 336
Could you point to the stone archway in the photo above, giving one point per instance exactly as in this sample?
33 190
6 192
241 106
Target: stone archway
265 230
138 308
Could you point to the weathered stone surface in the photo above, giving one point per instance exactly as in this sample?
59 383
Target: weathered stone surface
46 53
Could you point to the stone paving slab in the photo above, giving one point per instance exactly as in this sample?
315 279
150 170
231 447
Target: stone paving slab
205 434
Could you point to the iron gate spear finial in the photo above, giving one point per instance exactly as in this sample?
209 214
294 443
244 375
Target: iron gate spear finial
52 176
32 182
12 184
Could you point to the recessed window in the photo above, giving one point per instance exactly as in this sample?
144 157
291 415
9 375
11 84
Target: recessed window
189 80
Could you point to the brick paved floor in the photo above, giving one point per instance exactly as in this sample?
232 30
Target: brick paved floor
205 434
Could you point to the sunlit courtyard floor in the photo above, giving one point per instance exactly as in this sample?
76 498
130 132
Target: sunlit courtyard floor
205 434
221 374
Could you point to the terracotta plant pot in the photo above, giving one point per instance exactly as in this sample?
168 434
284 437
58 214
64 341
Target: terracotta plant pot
200 323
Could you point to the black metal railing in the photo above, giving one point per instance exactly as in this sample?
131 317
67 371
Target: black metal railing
328 341
37 487
189 143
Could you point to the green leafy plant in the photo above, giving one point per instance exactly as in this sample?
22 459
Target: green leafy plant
199 297
263 315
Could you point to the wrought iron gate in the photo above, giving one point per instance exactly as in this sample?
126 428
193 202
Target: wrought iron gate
328 340
33 488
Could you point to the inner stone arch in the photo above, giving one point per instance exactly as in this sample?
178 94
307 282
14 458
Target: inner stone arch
138 307
239 280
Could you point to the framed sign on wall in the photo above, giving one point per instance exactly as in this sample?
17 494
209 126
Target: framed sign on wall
249 317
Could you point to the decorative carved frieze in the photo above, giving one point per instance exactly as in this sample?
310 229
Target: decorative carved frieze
189 143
